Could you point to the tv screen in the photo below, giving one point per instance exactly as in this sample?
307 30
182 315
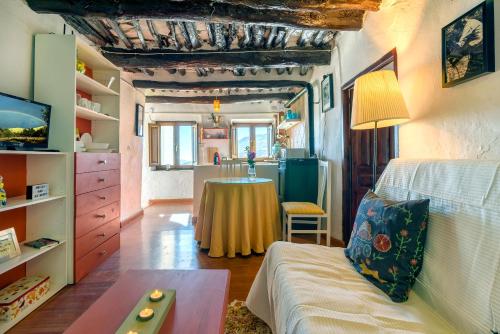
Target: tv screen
24 124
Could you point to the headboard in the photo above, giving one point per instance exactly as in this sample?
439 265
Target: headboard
460 278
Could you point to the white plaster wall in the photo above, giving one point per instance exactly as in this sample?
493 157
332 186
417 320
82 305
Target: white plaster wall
18 25
458 123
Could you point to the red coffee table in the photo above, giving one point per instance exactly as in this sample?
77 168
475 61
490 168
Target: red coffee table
200 306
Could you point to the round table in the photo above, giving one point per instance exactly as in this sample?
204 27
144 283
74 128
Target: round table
238 215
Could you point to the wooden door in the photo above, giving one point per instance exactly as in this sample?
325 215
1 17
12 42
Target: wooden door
358 151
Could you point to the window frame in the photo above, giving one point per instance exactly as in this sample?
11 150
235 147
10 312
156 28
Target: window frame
155 144
252 126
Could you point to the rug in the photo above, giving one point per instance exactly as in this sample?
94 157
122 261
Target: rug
240 320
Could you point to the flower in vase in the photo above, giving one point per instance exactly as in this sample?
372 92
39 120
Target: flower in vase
250 157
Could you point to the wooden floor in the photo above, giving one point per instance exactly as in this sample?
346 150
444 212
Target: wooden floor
162 239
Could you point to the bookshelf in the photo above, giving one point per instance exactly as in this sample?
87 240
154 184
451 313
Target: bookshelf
49 217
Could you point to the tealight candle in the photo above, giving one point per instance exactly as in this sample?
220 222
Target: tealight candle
146 314
156 295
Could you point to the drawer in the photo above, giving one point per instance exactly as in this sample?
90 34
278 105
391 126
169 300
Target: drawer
89 202
88 182
95 162
92 220
97 256
94 238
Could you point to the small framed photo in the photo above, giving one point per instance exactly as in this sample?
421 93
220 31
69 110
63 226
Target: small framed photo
215 133
468 45
327 102
139 120
9 246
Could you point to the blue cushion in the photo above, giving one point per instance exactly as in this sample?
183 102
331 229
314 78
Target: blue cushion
387 243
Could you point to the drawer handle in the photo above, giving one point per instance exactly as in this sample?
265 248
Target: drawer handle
103 162
103 252
101 235
100 180
101 197
100 216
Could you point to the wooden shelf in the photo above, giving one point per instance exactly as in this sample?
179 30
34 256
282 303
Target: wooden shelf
6 325
21 201
92 115
91 86
27 254
288 124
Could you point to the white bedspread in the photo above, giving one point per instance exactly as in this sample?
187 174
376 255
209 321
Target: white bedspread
314 289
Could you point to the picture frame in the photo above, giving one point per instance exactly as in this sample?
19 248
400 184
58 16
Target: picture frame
9 246
139 120
327 101
215 133
468 46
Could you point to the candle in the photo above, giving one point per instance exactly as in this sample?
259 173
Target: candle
156 295
132 332
146 314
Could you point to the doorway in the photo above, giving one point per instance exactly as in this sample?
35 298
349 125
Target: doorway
358 149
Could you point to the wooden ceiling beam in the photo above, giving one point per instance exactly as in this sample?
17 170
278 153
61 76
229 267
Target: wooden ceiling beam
173 35
223 99
168 58
83 27
370 5
220 11
140 35
207 85
121 35
160 42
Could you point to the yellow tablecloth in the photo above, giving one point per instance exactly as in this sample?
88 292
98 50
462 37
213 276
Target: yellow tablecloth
237 215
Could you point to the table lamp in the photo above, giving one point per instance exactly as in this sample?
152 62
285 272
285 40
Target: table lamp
377 103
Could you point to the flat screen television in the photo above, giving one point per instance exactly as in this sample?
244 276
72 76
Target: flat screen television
24 124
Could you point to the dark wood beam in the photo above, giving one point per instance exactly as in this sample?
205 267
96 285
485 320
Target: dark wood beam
193 34
279 37
83 27
160 42
220 40
211 33
271 37
305 37
371 5
121 35
185 35
223 99
244 58
318 38
202 10
232 33
103 30
140 35
289 70
207 85
258 35
173 35
239 71
247 37
288 35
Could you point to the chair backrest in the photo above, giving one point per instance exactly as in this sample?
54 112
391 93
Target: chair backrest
460 277
324 185
231 168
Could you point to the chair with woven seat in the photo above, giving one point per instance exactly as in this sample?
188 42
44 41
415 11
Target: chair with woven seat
231 168
320 210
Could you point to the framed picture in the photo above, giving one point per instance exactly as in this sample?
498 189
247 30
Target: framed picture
9 247
468 46
215 133
139 120
327 93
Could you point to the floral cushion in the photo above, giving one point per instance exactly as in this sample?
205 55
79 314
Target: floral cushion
387 243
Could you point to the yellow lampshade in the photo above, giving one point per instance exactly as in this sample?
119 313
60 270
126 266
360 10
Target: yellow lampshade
377 99
216 105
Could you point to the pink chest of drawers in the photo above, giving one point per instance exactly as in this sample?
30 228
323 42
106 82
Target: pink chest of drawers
97 209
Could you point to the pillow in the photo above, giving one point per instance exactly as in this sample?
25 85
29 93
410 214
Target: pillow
387 243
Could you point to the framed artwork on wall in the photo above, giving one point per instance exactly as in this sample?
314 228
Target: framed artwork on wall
9 246
139 120
327 102
468 46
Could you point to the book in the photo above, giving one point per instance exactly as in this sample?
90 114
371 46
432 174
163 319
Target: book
41 243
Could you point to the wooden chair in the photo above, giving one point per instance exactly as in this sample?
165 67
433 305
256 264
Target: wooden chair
320 210
231 168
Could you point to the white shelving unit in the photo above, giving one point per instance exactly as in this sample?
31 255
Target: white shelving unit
288 124
49 217
92 86
92 115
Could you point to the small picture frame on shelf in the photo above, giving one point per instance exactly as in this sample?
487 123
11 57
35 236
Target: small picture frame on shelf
139 120
9 246
327 102
215 133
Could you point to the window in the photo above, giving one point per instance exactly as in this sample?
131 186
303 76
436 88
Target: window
256 136
173 144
